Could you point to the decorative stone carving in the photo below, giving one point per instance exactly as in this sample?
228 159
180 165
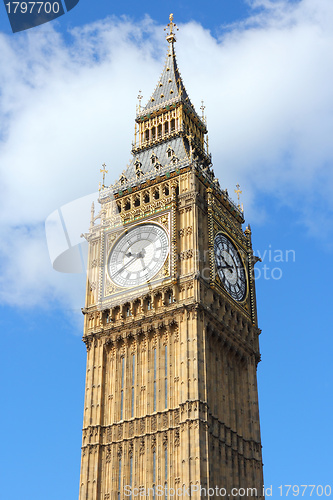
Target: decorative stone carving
177 438
108 455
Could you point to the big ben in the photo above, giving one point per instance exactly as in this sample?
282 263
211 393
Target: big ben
171 401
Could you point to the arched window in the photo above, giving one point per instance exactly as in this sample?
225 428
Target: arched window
170 152
153 133
166 127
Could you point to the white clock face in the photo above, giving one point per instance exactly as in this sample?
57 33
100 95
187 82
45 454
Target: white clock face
138 255
230 267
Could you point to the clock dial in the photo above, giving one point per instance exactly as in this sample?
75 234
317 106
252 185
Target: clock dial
229 267
138 255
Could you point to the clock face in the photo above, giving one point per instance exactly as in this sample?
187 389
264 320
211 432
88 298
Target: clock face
138 255
230 267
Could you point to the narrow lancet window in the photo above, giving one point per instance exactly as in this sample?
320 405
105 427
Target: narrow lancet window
166 472
155 381
133 383
122 388
131 475
166 377
119 480
154 472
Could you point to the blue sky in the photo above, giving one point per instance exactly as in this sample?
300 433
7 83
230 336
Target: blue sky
67 104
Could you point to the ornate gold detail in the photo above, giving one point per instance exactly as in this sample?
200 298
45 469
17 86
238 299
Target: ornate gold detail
165 220
110 289
112 237
239 192
171 26
186 231
188 254
104 171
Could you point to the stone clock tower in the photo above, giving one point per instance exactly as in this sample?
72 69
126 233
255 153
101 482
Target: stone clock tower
171 329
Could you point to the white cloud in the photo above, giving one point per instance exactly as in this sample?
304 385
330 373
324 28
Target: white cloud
65 108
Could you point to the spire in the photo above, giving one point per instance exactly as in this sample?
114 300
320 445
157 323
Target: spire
169 134
170 89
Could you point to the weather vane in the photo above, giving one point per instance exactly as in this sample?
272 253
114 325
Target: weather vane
239 192
171 36
104 171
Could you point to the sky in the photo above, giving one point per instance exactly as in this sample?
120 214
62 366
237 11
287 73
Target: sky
68 95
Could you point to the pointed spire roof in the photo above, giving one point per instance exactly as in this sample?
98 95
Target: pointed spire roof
170 88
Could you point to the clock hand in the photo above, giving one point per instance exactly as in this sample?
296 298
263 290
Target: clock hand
143 263
136 255
127 264
226 267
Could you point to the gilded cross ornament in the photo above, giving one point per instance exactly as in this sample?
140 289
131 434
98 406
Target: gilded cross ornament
104 171
239 192
171 26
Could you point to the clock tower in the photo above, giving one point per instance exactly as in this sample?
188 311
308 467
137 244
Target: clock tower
171 330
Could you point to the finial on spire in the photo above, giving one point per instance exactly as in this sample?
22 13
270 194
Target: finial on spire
171 26
239 192
203 107
140 96
104 171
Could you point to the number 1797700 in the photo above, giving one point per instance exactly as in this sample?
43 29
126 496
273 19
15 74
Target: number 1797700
32 7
